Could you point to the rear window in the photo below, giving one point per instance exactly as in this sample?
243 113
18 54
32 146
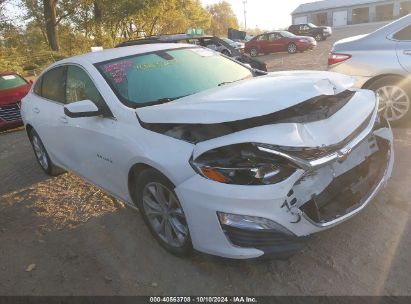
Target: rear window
11 81
53 84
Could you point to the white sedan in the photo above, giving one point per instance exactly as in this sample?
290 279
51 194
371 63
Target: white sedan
217 157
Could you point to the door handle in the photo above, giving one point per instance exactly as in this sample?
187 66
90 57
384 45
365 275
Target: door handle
63 119
407 52
36 110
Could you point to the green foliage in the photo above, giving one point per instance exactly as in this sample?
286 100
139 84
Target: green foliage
80 24
223 18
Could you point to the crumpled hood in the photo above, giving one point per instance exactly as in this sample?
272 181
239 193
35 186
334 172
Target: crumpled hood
246 99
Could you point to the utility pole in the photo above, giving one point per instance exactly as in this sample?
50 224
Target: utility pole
245 15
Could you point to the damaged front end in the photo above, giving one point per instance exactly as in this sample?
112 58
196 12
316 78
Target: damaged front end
343 180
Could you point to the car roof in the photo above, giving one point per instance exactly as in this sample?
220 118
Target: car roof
109 54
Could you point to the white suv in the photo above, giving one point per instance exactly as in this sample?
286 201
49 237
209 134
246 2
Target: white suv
216 156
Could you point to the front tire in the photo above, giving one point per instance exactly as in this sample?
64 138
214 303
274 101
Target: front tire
162 212
42 156
395 99
292 48
226 53
319 37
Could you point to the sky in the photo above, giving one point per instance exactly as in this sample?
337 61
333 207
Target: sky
264 14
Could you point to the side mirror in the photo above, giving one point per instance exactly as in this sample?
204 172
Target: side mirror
83 108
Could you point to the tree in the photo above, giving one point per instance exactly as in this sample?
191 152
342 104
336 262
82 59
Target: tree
222 18
48 14
171 16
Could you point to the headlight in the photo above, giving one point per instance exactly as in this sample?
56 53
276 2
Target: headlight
243 164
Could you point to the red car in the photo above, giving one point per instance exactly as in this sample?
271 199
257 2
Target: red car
12 89
279 42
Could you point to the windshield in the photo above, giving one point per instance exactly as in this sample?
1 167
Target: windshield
153 78
287 34
11 81
311 25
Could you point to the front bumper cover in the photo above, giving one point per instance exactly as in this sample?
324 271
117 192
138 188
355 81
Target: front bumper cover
283 203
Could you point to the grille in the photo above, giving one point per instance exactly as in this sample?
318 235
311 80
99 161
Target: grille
347 192
10 113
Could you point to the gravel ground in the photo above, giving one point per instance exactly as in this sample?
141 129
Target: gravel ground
63 236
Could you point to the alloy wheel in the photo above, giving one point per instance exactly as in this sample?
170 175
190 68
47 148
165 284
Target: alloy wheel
292 48
318 37
394 102
40 152
253 52
165 214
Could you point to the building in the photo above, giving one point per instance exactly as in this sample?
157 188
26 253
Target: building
340 13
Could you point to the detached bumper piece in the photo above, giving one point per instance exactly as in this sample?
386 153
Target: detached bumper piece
273 243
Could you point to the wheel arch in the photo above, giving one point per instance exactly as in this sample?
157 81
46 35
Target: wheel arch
135 171
29 127
378 77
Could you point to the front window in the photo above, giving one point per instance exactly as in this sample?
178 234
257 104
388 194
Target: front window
11 81
153 78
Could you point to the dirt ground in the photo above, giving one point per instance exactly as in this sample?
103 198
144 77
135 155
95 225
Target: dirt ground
62 236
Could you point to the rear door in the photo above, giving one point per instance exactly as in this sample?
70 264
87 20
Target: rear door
263 43
304 30
403 47
47 110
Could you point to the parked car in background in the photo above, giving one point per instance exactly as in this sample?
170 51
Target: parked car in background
319 33
210 42
380 61
216 156
13 88
236 44
280 41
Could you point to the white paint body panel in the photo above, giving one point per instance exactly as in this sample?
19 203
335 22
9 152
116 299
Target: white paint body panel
103 150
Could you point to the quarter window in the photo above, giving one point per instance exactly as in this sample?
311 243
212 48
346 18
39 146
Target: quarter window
53 85
404 34
81 87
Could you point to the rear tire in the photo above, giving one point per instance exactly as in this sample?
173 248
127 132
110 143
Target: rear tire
395 99
254 52
42 156
292 48
162 212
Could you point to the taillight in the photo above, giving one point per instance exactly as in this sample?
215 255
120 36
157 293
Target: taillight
334 58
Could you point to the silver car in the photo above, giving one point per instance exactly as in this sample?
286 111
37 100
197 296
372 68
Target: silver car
380 61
